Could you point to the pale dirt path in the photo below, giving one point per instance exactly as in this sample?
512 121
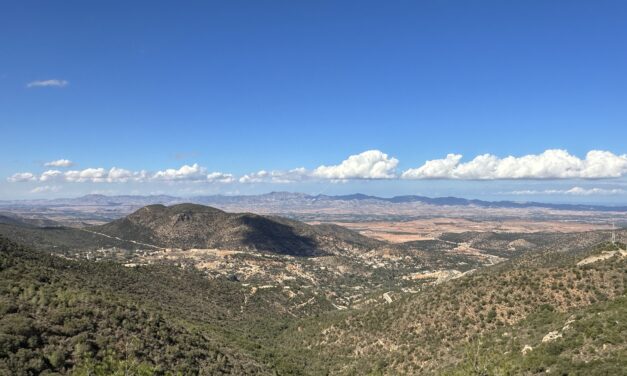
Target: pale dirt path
123 240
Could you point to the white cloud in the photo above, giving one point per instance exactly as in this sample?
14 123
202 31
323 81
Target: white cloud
594 191
279 177
96 175
51 175
59 163
575 191
290 176
437 168
194 172
21 177
48 83
255 177
219 177
120 175
45 189
371 164
551 164
189 173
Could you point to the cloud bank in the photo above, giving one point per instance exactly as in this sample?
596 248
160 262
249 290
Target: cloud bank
551 164
120 175
370 165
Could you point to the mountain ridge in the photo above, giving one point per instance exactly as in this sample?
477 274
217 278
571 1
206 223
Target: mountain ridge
198 226
97 199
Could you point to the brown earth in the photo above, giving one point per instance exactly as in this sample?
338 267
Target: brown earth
426 229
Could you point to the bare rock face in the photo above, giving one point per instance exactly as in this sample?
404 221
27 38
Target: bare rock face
196 226
520 244
551 336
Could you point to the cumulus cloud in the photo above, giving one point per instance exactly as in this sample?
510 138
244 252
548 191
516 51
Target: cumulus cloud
371 164
435 169
186 172
94 175
219 177
21 177
255 177
51 175
551 164
48 83
575 191
194 173
120 175
59 163
279 177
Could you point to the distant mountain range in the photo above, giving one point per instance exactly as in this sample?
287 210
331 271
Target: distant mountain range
285 198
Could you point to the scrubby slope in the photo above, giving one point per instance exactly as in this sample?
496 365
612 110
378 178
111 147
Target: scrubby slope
59 315
427 332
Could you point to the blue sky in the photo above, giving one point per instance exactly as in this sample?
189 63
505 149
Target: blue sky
236 87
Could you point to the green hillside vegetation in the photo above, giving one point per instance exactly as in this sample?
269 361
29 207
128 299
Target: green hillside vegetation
59 240
592 342
429 332
61 316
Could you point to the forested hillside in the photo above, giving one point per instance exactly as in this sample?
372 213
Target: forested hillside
59 315
550 310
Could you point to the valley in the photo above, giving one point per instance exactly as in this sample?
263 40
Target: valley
431 228
99 209
277 295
